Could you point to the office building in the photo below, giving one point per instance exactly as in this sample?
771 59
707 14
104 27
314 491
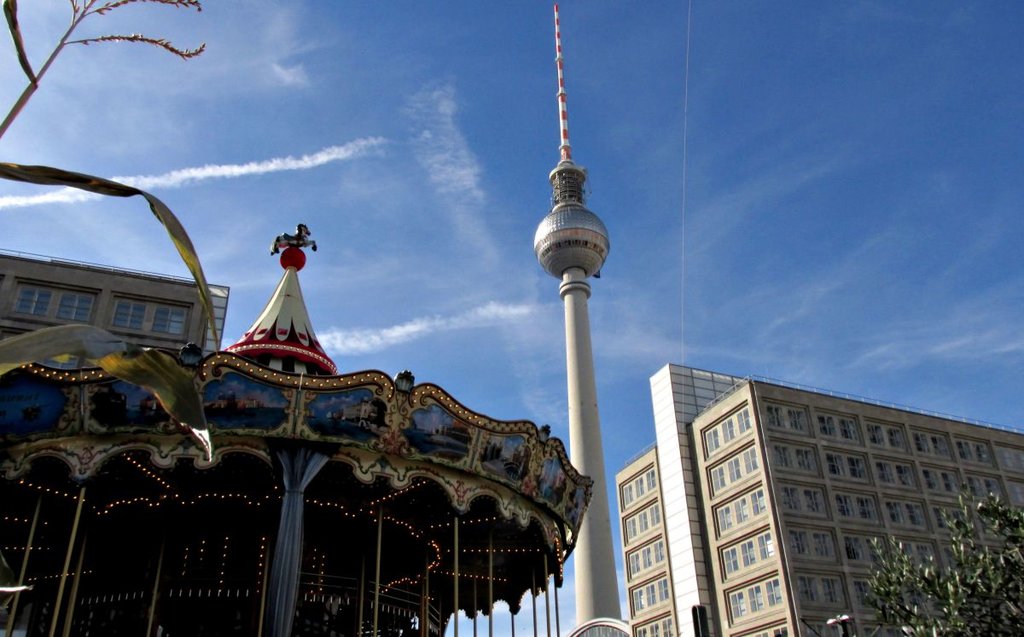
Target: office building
150 310
771 494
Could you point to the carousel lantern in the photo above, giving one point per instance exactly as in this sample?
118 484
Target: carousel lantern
404 381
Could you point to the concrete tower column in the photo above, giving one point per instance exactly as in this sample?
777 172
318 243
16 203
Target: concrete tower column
597 591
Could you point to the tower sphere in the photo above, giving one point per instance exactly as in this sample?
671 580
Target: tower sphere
571 236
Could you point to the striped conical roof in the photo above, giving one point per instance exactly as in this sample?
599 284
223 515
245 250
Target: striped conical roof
284 330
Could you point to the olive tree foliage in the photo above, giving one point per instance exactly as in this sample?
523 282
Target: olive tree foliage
980 594
153 369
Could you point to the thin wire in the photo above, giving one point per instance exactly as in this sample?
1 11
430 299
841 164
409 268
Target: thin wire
682 256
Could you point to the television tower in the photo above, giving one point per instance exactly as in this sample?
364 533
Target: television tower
571 244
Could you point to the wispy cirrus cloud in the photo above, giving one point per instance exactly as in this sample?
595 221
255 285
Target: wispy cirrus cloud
188 176
451 166
361 341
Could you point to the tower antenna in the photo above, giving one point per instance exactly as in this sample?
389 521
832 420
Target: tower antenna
563 110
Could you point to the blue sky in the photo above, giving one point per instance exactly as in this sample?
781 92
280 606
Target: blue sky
851 220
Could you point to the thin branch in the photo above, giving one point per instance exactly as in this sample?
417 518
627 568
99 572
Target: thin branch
184 54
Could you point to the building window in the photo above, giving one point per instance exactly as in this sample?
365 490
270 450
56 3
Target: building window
830 590
791 498
883 470
827 425
856 466
756 598
866 508
806 460
930 480
921 442
963 449
798 542
896 438
169 320
854 549
750 460
634 564
724 519
730 561
765 546
738 604
981 451
823 545
711 439
905 475
728 429
813 501
651 479
774 414
757 500
844 505
75 307
718 478
662 589
782 457
895 512
774 592
807 588
742 510
744 420
835 464
627 495
128 314
861 590
941 446
876 435
797 420
747 551
848 429
34 301
735 470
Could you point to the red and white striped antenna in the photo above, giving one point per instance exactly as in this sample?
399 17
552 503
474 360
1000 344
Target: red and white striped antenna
563 111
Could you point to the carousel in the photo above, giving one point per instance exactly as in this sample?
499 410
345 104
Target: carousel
327 503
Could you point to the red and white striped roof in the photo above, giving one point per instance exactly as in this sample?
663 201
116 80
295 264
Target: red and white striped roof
284 330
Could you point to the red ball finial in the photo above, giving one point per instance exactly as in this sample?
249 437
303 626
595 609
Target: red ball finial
293 258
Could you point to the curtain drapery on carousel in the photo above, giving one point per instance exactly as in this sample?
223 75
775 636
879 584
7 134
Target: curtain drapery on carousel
298 467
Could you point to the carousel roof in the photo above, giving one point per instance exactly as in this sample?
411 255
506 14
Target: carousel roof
283 330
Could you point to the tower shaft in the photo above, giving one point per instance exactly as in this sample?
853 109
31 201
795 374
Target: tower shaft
597 592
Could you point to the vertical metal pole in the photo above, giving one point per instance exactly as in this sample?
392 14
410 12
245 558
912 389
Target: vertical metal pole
533 596
67 562
558 627
490 584
547 598
513 616
362 595
263 591
455 599
9 630
425 601
376 577
476 607
156 585
74 586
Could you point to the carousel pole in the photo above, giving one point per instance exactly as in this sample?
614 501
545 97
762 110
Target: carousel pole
74 586
376 577
490 584
547 598
455 599
9 629
533 593
425 602
513 616
67 561
263 593
476 607
558 627
156 586
362 595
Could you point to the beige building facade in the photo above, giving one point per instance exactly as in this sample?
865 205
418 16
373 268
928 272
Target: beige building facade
787 486
147 309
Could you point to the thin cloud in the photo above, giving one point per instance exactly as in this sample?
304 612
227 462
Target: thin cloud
453 170
362 341
189 176
290 75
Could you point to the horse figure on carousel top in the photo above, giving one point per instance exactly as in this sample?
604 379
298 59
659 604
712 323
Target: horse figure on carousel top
298 240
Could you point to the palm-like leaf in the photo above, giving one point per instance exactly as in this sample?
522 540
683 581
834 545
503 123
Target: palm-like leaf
153 369
47 176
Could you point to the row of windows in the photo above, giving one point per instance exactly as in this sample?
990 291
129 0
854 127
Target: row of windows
906 514
898 473
77 306
747 553
888 436
799 458
659 628
638 487
726 431
786 418
818 544
646 557
734 469
844 466
650 594
754 599
643 521
740 510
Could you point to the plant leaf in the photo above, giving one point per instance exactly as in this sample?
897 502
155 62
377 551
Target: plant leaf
11 13
47 176
153 369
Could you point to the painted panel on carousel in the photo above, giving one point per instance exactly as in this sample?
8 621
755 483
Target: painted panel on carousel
119 404
237 402
505 457
29 406
552 481
436 433
355 414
